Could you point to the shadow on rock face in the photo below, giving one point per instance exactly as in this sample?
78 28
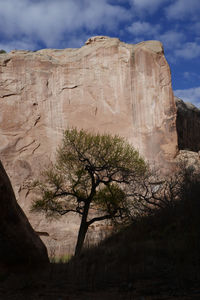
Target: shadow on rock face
188 126
19 244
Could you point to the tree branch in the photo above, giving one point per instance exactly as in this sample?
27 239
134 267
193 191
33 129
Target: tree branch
106 217
65 211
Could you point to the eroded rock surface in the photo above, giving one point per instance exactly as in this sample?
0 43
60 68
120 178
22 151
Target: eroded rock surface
105 86
19 244
189 160
188 126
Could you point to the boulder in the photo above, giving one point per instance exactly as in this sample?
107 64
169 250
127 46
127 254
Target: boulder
19 244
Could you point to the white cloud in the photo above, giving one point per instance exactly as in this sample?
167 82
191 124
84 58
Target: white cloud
191 76
147 5
175 43
75 41
49 21
188 51
180 9
143 28
189 95
171 39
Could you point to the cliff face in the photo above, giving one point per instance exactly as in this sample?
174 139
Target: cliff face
188 126
105 86
19 242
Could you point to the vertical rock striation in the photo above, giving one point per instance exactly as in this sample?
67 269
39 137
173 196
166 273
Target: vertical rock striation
105 86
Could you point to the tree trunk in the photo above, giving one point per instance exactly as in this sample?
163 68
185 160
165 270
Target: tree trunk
82 230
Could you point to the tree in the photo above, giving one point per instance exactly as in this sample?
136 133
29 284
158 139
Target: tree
90 172
161 192
154 192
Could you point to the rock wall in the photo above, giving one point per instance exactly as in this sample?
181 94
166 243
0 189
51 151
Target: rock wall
188 126
105 86
19 244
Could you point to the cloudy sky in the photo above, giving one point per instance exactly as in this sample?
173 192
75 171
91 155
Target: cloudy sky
36 24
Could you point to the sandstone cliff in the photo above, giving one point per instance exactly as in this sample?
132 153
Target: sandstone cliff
19 244
105 86
188 126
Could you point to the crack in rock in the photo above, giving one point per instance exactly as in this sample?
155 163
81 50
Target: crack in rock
8 95
24 148
35 148
37 120
70 87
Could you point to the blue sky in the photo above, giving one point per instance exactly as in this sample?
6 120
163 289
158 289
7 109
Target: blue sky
36 24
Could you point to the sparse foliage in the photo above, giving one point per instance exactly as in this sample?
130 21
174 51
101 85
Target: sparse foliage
91 171
157 192
154 192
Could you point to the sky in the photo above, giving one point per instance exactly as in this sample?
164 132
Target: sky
37 24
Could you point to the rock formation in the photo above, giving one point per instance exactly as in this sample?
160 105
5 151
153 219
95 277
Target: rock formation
188 126
19 244
190 161
105 86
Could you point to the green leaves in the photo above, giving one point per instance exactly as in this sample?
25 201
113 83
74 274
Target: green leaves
90 168
110 196
99 153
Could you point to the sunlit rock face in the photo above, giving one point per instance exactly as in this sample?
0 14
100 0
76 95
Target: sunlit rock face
19 243
105 86
188 126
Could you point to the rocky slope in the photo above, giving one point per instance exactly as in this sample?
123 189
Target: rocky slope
105 86
19 244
